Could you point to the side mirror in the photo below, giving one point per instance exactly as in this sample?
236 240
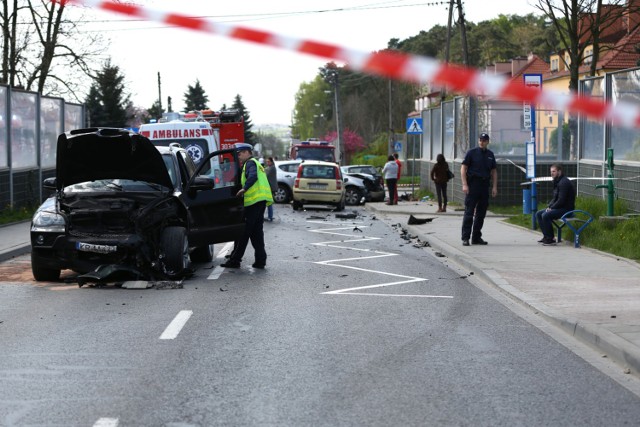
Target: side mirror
49 183
202 182
346 179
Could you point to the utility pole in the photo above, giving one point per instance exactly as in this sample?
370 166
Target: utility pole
448 47
336 92
463 34
159 92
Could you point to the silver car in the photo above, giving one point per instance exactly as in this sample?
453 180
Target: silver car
286 173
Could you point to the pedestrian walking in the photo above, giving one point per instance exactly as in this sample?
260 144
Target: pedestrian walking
563 201
478 172
390 173
440 175
399 163
257 196
272 177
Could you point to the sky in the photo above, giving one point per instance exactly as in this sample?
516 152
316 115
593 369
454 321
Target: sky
266 78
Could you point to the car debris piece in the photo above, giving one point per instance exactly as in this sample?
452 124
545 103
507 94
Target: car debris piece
136 284
346 215
417 221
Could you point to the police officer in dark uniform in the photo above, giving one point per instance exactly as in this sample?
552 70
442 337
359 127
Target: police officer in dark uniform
477 172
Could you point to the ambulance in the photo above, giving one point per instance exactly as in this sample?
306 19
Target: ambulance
198 132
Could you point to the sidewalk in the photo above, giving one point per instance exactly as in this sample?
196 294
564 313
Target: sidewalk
14 240
592 295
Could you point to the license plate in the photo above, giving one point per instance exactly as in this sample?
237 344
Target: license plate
90 247
316 186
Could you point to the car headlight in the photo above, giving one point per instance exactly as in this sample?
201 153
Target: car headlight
44 221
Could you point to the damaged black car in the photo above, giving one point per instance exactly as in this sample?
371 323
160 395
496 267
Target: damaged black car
125 209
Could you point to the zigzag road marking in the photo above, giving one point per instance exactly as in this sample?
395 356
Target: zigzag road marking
377 254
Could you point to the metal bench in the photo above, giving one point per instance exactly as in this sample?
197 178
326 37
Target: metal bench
572 219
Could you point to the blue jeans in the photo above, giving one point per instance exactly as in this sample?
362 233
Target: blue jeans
545 217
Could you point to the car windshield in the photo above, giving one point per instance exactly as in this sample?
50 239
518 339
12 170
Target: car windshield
315 153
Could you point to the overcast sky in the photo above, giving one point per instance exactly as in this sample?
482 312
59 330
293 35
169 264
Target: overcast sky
266 78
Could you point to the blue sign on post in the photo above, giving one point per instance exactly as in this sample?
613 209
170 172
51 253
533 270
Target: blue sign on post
397 146
414 126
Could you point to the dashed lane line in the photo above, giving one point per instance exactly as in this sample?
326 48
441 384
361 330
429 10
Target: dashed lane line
176 325
217 270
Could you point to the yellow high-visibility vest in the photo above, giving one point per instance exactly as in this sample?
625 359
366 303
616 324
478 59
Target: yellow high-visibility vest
259 191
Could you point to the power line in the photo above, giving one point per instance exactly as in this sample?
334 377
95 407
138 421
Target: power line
275 15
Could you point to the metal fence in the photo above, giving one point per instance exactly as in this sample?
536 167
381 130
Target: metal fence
29 127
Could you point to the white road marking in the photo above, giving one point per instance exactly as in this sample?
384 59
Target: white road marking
176 325
225 249
375 254
217 271
106 422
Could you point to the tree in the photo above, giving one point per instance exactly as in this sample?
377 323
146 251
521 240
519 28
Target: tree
155 112
352 142
107 103
38 56
249 137
195 98
580 24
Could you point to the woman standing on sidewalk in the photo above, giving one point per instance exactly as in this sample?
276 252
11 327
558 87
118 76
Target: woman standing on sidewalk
390 172
440 176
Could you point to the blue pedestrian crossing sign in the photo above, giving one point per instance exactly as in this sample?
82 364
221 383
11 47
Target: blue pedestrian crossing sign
397 146
414 125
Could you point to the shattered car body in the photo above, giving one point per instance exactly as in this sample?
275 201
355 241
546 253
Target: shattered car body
124 208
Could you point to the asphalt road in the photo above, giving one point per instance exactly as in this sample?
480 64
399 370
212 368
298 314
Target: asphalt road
315 339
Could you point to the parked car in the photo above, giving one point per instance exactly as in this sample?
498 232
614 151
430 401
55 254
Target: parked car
123 207
372 180
286 173
319 183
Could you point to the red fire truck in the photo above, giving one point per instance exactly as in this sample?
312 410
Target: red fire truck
313 149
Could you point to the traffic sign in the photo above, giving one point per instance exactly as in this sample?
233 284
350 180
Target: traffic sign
397 146
414 126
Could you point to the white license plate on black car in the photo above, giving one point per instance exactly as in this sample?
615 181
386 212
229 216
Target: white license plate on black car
100 249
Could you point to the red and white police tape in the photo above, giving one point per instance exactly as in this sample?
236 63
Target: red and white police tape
393 64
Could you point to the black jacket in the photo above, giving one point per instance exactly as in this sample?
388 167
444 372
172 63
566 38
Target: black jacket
564 195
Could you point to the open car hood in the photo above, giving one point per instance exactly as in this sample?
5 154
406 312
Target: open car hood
108 153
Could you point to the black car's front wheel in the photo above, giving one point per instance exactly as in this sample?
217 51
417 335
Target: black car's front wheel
175 247
42 273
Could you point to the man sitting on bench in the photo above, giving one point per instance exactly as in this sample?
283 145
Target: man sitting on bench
564 200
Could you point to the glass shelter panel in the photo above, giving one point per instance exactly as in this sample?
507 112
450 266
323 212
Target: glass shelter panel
436 132
23 129
625 86
449 129
50 128
4 137
592 135
426 134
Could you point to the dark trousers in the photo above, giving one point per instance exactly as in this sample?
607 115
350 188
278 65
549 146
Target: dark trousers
392 187
441 191
475 208
545 218
254 221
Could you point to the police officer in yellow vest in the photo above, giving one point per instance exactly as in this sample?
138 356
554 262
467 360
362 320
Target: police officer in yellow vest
257 196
